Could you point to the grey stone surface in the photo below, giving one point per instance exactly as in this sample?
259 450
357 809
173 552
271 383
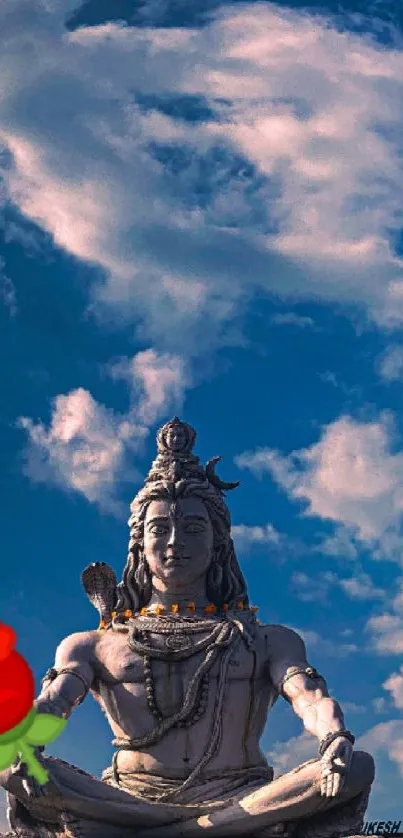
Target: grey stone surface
186 674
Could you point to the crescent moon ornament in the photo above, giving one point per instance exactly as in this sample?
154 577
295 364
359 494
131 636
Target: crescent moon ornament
213 477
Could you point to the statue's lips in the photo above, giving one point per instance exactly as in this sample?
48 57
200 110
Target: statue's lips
175 562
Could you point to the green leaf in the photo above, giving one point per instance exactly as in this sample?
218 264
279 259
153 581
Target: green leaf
44 729
8 753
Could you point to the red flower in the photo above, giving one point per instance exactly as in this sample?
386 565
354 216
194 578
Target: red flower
8 639
17 684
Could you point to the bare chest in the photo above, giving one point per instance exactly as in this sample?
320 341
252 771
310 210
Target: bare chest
126 678
175 659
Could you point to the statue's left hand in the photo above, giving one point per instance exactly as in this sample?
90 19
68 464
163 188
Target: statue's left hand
334 766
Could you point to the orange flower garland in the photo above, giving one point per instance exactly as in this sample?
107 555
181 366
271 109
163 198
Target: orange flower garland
175 608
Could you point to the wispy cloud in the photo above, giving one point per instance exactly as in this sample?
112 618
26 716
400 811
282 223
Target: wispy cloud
268 539
311 589
83 449
350 476
88 448
7 290
385 737
361 587
387 634
379 705
289 318
284 756
290 184
351 707
246 535
386 629
329 377
155 381
394 685
384 740
316 589
325 647
340 543
390 365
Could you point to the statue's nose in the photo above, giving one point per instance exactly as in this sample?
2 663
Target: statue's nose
175 538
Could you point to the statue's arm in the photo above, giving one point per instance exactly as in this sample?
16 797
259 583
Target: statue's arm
306 690
300 684
67 683
64 686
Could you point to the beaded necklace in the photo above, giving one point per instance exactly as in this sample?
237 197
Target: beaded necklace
177 631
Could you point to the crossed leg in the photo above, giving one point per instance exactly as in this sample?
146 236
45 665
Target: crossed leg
292 797
105 812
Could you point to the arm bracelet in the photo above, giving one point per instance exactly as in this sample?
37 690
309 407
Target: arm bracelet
53 673
310 671
332 736
68 671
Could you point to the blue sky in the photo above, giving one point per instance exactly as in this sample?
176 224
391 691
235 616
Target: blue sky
201 214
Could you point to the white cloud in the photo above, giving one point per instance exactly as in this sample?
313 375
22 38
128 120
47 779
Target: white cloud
394 685
325 647
156 380
284 756
361 587
386 630
87 448
311 589
379 705
397 601
83 449
340 543
245 535
268 539
387 634
316 589
384 741
391 364
385 737
350 476
294 189
350 707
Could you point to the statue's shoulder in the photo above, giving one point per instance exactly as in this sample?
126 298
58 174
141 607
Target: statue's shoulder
284 649
282 642
78 646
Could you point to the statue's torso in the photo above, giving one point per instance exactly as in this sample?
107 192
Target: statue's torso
121 690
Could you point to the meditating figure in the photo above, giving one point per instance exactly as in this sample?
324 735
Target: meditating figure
186 675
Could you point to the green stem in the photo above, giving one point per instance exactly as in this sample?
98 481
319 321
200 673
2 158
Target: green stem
35 769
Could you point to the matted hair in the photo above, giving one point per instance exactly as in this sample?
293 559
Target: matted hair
225 583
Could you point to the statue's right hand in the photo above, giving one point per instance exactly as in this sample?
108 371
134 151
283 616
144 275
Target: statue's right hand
31 786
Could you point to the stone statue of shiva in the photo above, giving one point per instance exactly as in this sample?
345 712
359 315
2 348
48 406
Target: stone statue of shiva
186 675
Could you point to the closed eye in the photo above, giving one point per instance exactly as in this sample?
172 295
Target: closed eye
194 528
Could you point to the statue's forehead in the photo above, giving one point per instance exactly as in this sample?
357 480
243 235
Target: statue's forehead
186 506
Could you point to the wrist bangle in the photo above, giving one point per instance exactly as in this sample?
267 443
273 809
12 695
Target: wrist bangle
335 735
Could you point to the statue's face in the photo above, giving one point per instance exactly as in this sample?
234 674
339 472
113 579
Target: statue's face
176 438
178 540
